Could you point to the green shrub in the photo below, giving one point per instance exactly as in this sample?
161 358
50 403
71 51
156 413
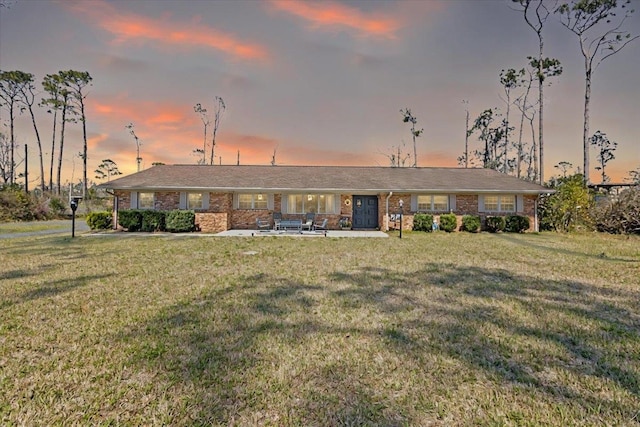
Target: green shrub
57 207
448 222
130 219
99 220
495 223
516 223
422 222
153 220
179 221
471 223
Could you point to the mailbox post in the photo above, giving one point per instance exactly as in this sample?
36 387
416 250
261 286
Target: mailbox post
401 209
73 203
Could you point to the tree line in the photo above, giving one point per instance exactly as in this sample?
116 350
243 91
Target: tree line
64 96
598 26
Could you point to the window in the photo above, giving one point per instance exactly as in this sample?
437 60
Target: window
145 200
252 201
194 201
500 203
433 202
316 203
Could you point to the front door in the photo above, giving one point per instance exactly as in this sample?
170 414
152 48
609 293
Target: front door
365 211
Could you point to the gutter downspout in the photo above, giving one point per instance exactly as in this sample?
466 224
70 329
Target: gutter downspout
536 228
386 216
115 209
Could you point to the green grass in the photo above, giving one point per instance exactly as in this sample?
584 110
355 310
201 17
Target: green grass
434 329
26 227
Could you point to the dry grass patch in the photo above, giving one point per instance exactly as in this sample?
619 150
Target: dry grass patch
433 329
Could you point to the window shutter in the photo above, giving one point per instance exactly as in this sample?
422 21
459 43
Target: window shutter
205 200
183 200
134 200
284 203
270 202
337 203
519 203
480 203
414 203
236 203
452 202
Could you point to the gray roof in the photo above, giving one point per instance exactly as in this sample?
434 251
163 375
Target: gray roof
350 179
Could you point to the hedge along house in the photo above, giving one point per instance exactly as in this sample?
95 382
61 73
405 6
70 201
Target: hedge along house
232 197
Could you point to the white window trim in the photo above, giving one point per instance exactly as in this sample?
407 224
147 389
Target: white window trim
483 207
153 202
431 203
269 201
333 208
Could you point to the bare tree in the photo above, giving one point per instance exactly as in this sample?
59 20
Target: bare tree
605 152
27 99
509 79
598 26
5 158
535 14
523 105
52 86
138 144
206 121
407 117
218 112
464 159
11 86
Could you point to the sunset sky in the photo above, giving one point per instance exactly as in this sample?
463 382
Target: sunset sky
322 83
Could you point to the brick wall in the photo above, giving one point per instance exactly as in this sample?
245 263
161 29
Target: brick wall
212 222
222 203
166 200
466 204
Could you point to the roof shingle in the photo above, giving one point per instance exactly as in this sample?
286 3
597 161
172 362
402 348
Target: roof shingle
350 179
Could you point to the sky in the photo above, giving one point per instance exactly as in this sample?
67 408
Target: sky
318 83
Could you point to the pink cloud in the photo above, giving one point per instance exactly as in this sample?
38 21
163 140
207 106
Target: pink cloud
129 26
333 15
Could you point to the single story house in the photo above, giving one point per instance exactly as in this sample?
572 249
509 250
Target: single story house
233 197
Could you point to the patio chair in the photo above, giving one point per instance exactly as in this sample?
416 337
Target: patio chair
322 225
277 217
263 224
308 224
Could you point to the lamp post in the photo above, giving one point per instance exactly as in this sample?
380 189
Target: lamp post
401 204
73 203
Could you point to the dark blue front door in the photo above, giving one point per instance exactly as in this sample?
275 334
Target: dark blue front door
365 211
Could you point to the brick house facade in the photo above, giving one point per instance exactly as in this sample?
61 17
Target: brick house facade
233 197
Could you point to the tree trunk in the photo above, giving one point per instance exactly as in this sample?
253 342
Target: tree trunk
585 133
53 149
13 143
64 114
506 136
35 128
84 152
415 152
541 109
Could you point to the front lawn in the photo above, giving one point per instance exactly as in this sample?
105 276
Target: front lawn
432 329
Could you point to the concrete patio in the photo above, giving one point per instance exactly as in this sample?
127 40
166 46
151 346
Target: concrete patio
280 233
